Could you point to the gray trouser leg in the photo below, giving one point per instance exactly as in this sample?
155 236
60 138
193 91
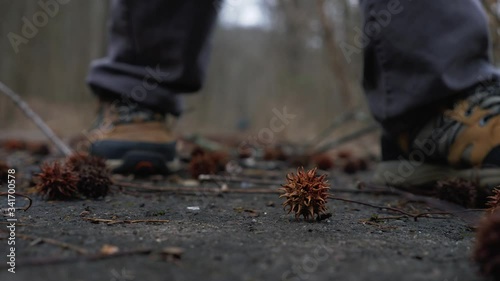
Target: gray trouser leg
422 53
157 49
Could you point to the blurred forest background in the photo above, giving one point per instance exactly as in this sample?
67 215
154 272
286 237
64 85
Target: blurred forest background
266 54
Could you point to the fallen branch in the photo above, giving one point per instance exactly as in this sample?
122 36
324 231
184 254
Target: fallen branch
51 241
347 138
110 221
376 224
149 187
46 130
465 214
371 205
378 219
204 190
227 179
59 260
196 190
404 213
354 115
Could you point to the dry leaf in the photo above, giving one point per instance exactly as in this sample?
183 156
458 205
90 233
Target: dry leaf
109 249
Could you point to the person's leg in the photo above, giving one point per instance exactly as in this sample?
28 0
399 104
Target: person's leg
420 54
158 49
425 62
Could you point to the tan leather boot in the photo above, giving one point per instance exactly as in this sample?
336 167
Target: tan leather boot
133 139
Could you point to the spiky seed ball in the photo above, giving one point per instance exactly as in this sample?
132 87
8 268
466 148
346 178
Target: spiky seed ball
245 152
306 193
487 247
94 178
221 159
494 200
323 162
93 183
458 191
57 182
202 165
274 154
351 166
197 151
79 161
354 165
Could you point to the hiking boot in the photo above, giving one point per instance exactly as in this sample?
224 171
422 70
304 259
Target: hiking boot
463 141
133 139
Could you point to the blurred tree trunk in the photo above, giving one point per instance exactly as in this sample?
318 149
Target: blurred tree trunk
51 66
338 65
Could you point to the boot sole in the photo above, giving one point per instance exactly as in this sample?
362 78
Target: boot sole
138 158
142 163
408 174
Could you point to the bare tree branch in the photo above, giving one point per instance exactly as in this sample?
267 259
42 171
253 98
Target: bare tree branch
334 53
46 130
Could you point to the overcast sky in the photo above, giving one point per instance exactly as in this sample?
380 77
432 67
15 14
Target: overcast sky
248 13
244 13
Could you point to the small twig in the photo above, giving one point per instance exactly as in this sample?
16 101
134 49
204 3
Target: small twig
110 221
153 188
377 218
383 227
414 216
465 214
371 205
30 201
58 260
36 119
390 218
198 190
226 179
426 215
355 114
252 191
215 178
349 137
51 241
